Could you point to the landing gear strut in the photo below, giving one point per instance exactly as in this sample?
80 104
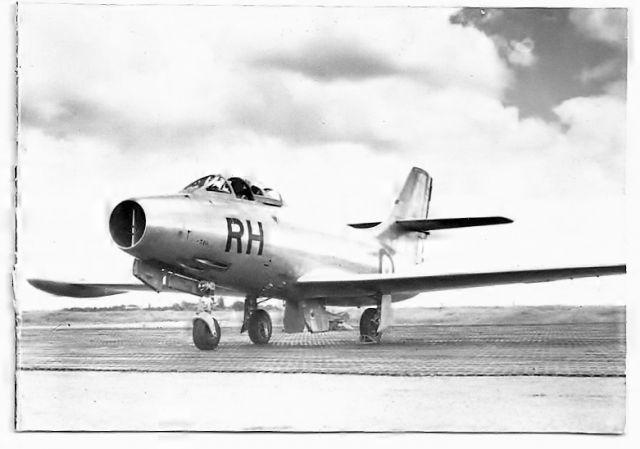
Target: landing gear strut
206 330
256 321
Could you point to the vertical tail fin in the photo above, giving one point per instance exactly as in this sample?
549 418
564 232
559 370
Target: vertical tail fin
413 201
402 248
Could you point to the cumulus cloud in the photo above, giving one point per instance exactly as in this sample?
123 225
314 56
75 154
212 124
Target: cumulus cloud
185 79
596 130
332 61
517 52
167 79
608 25
520 53
321 115
69 116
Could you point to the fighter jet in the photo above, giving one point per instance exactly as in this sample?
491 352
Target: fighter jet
229 236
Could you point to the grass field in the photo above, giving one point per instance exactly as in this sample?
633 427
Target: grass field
429 316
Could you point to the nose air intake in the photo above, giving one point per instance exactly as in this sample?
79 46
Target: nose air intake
127 224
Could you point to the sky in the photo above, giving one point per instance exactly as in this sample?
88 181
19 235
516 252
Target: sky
518 113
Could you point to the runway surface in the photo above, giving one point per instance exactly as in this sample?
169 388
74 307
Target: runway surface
462 378
580 350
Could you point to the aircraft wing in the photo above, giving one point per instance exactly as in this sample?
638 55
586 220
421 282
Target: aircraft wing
82 290
75 290
374 284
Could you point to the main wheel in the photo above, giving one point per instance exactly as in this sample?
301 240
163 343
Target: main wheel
260 327
369 322
203 337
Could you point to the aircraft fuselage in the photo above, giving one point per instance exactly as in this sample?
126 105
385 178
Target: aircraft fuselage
252 248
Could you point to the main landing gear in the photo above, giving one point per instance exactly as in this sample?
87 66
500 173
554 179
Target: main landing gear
260 327
374 321
369 322
256 321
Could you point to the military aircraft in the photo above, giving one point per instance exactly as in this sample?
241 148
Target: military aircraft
233 237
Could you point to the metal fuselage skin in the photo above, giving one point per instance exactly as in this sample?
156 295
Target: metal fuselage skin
246 246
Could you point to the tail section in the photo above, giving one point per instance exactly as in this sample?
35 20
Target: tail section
413 201
402 247
403 234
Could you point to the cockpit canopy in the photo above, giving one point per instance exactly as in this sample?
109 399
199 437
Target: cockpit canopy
238 187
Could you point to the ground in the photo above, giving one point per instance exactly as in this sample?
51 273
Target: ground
467 369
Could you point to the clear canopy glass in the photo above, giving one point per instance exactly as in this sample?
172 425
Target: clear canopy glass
240 188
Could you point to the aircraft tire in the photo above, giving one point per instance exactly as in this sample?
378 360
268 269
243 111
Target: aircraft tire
369 322
260 327
203 338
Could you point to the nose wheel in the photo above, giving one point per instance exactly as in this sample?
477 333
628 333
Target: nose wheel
206 335
206 330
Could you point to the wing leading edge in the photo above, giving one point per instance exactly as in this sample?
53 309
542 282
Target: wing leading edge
77 290
81 290
374 284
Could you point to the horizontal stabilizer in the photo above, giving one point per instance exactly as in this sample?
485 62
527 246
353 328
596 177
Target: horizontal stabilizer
424 225
450 223
372 224
376 284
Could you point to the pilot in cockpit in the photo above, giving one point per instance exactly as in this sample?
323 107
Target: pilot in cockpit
241 189
218 184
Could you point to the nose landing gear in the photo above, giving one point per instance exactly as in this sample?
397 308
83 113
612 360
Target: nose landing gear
206 334
206 330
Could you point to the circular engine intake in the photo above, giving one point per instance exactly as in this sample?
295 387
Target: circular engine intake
127 224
